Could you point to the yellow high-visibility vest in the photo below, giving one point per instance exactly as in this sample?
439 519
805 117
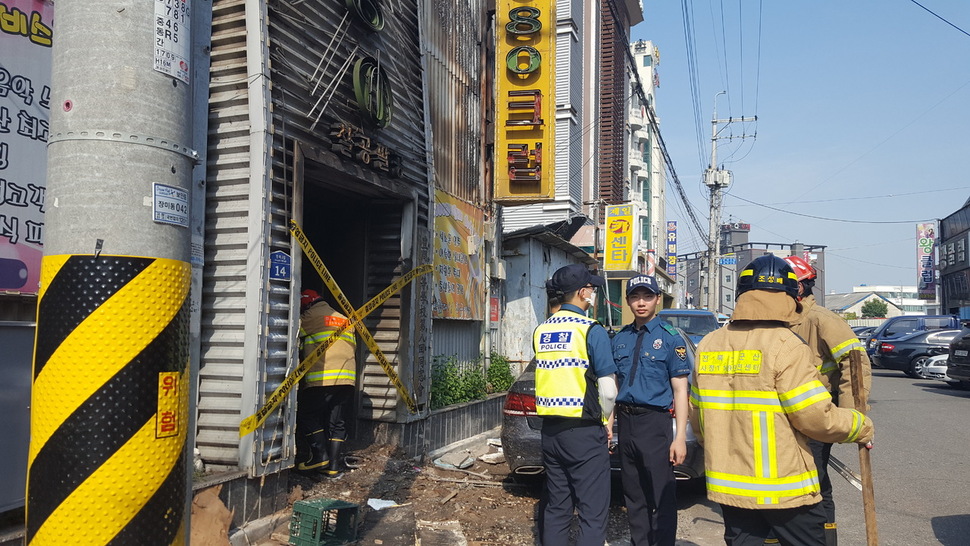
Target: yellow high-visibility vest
563 378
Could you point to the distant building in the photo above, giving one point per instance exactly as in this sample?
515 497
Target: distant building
906 298
844 304
735 253
955 262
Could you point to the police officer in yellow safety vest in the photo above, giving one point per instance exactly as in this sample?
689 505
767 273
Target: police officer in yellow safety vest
575 390
759 399
832 341
327 389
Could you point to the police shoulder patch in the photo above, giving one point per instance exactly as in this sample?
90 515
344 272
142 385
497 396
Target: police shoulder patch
681 352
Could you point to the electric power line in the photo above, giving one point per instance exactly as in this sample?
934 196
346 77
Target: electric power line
939 17
834 219
887 196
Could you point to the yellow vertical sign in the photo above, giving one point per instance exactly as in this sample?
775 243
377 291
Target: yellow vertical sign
620 239
525 104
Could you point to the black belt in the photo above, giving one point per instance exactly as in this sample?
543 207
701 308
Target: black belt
630 409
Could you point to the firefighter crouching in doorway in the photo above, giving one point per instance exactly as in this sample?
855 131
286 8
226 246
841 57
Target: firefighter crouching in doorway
327 389
832 340
758 400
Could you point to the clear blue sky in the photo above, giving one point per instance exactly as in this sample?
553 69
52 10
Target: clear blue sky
863 114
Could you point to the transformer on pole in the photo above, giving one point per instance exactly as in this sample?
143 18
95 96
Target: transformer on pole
717 180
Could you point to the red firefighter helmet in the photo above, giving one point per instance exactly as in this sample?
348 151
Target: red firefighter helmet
307 298
803 270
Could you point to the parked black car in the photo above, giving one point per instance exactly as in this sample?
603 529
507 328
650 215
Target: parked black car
958 364
896 327
910 352
521 436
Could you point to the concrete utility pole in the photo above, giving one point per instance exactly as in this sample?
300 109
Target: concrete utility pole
110 407
717 180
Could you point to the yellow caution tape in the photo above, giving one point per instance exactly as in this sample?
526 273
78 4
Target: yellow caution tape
252 422
348 309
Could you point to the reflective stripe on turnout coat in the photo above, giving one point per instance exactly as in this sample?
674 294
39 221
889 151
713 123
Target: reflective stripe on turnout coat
756 396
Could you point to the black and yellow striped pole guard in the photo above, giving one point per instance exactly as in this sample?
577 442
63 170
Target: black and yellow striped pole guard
107 459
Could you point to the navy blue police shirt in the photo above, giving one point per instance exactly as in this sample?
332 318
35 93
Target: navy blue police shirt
662 355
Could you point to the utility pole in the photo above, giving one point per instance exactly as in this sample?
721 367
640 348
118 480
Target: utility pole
109 453
717 180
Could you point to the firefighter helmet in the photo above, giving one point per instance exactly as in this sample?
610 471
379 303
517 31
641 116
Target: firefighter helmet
802 269
307 298
768 272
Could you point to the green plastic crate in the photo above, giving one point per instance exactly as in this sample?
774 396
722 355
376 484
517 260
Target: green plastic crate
320 522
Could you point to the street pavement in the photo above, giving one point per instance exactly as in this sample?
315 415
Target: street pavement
920 467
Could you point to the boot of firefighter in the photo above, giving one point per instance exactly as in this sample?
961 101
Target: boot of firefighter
831 534
319 458
336 468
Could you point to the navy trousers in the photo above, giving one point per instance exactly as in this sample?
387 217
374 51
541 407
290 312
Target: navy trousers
577 460
649 485
802 526
822 452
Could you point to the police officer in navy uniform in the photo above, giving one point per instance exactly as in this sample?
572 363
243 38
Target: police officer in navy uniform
575 390
652 373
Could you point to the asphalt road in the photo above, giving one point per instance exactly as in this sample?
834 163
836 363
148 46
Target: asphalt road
920 466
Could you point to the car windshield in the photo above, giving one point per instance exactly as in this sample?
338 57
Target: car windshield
695 325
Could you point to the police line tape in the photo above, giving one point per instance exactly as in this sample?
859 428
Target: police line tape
252 422
348 309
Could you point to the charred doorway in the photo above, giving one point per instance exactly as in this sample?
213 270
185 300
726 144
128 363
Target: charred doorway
362 233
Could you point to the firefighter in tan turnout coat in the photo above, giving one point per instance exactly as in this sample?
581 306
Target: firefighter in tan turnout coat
327 389
832 341
757 399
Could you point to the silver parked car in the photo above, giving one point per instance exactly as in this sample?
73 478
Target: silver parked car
935 368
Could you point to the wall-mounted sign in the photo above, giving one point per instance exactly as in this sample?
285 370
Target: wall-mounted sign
170 205
367 12
672 249
26 35
459 289
525 109
925 264
173 45
350 141
620 239
373 91
280 266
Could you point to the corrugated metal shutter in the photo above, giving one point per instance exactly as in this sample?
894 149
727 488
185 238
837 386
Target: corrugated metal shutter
457 338
246 318
380 399
451 42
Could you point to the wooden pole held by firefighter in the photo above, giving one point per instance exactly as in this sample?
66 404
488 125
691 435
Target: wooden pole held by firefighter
865 465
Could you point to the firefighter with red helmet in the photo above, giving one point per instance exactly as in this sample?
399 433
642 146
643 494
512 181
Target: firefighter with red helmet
757 400
323 402
832 341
